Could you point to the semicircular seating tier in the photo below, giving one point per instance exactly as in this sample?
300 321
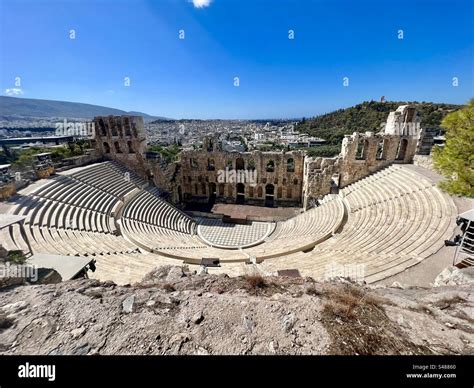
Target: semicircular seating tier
157 226
380 225
396 219
73 214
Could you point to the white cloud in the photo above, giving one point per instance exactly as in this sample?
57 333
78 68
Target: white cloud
201 3
13 92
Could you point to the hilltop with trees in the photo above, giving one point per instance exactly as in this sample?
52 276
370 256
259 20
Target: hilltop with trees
368 116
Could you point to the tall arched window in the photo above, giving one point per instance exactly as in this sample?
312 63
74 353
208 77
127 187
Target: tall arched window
270 166
130 147
251 165
239 164
279 192
113 127
402 149
117 147
103 130
126 123
106 147
251 191
380 153
210 165
360 150
290 165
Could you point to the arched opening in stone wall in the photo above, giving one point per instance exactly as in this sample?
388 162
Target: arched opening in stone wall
269 195
270 166
221 190
290 165
106 147
250 191
366 149
126 123
134 129
212 193
240 199
279 192
380 150
289 192
239 164
360 150
259 192
103 130
211 165
402 149
117 147
251 165
210 145
113 127
119 126
130 147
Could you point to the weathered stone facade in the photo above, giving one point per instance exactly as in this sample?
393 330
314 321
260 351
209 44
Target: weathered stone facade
43 165
362 154
259 178
123 138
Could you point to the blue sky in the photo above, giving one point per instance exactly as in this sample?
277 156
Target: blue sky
248 39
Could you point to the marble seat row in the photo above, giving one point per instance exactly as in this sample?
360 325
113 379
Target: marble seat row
396 219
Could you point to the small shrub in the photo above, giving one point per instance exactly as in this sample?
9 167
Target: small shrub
16 257
255 282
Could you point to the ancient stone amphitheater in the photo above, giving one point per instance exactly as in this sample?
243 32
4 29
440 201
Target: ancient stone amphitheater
385 223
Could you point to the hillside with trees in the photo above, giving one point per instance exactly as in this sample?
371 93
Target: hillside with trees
368 116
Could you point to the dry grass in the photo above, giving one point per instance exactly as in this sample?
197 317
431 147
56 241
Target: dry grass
346 302
255 282
357 324
313 291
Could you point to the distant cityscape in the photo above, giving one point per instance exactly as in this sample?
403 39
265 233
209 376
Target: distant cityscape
236 135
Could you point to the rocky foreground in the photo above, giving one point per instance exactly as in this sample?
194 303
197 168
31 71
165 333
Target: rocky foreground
176 312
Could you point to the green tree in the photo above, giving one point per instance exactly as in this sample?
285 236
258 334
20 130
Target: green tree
455 161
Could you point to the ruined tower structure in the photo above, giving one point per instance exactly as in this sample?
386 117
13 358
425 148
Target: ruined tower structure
364 153
281 178
122 138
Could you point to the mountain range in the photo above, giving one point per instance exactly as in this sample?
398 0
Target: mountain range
12 108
